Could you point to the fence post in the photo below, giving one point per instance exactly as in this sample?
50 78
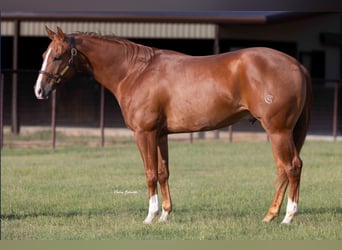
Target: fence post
217 51
335 111
191 138
102 116
15 127
2 110
230 131
53 120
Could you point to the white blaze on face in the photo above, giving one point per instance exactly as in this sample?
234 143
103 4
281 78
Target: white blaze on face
40 76
152 210
291 210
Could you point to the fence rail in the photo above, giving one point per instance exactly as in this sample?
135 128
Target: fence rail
328 112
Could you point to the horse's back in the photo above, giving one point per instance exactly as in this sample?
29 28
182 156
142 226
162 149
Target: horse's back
208 92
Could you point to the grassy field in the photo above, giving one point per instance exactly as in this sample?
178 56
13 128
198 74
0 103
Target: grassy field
219 190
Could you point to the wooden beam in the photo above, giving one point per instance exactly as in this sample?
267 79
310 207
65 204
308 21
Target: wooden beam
15 117
53 119
2 110
102 106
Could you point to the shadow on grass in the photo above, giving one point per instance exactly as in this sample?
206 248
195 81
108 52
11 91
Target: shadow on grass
67 214
321 210
181 212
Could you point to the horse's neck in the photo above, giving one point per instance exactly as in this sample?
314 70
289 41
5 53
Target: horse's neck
136 53
112 61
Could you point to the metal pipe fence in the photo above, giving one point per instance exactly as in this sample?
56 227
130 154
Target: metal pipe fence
325 110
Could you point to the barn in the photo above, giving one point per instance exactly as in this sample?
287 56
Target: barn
315 39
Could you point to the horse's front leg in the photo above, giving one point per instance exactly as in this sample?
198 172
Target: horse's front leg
163 177
147 144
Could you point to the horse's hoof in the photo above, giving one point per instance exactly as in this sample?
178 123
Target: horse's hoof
268 218
148 220
163 217
288 219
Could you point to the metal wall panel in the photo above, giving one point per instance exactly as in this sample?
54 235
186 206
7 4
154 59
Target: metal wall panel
7 28
121 29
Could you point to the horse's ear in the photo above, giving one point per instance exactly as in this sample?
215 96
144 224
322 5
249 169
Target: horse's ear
60 34
50 33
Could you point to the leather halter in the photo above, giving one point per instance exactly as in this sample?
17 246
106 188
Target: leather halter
71 64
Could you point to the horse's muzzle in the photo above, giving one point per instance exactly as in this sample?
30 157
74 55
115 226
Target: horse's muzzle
41 92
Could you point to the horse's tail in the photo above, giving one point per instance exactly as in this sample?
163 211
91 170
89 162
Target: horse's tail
302 125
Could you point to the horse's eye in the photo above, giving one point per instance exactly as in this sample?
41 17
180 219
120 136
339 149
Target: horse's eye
57 58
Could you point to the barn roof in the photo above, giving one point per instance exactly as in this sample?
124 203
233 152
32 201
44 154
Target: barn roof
140 24
215 16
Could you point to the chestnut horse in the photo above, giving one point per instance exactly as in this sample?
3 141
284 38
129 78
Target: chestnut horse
161 92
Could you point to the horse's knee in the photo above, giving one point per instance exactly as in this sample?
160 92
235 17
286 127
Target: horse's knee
163 172
163 176
151 179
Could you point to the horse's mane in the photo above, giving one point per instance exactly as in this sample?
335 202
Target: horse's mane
147 52
111 37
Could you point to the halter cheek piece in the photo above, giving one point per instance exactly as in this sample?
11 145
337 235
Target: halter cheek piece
58 77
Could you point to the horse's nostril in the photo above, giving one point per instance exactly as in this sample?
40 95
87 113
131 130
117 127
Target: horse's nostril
40 91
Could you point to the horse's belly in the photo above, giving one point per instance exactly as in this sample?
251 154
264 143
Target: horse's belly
204 117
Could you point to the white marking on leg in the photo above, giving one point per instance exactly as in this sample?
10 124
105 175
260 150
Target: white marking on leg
152 210
291 210
163 217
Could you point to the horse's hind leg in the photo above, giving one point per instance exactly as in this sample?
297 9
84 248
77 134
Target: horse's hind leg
288 170
294 174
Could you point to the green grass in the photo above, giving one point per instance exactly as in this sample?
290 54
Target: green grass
42 138
219 191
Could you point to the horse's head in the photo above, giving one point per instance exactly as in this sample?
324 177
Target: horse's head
58 63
